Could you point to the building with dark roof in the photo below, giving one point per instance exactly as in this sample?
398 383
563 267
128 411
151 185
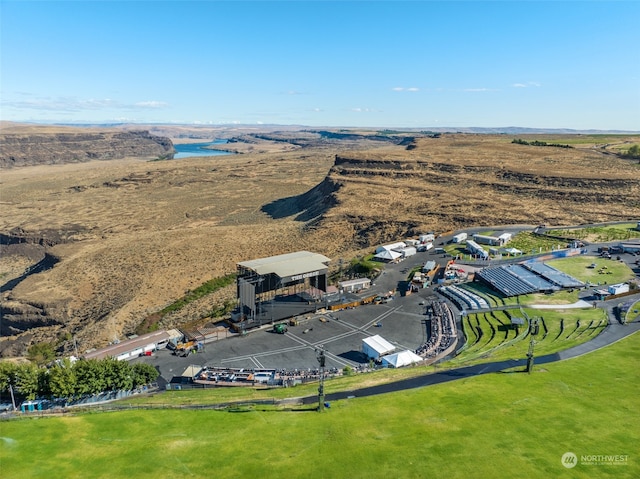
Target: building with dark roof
279 286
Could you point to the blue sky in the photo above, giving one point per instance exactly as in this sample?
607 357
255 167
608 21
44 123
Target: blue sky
395 64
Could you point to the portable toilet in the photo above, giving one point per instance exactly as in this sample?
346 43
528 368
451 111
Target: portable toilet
30 406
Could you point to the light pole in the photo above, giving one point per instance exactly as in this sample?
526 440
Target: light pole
534 328
322 361
13 399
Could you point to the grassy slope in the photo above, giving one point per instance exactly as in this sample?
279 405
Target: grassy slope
565 329
500 425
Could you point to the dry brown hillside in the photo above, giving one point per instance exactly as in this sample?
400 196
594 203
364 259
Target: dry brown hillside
131 236
462 180
22 145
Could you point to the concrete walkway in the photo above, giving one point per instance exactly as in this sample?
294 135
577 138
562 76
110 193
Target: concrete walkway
578 304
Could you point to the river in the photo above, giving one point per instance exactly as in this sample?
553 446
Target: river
187 150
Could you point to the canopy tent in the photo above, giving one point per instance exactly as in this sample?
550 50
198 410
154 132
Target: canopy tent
389 247
400 359
387 255
512 251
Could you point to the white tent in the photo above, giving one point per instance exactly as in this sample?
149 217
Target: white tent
402 358
386 255
391 246
513 251
376 346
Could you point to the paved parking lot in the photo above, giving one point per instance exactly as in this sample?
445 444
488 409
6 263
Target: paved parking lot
400 321
340 333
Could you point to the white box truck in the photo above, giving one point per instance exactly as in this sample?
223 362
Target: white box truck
460 237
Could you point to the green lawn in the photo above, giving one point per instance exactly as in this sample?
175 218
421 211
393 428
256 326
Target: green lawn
600 234
606 271
499 425
633 314
529 243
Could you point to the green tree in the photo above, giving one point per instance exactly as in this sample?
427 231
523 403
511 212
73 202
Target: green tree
89 377
44 386
143 373
62 380
27 380
118 375
41 353
8 372
633 151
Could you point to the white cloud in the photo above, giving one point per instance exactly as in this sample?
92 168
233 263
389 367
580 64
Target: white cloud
151 104
401 88
73 104
364 110
526 85
64 104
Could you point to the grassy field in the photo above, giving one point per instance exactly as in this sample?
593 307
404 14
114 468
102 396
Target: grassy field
498 425
634 313
606 271
600 234
529 243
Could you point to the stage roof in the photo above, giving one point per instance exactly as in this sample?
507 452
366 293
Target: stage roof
286 265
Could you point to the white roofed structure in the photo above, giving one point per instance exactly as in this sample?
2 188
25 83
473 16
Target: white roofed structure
289 264
132 348
389 247
400 359
355 284
376 346
388 255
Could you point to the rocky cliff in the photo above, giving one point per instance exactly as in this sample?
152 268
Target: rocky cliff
56 146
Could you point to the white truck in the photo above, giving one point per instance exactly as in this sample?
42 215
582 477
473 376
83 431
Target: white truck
460 237
427 238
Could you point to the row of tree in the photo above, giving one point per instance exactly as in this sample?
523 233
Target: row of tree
74 380
519 141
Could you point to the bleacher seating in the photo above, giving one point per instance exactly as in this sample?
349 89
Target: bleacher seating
515 279
553 275
506 283
463 298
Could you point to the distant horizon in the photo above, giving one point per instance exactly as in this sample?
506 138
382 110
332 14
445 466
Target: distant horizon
449 129
371 64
